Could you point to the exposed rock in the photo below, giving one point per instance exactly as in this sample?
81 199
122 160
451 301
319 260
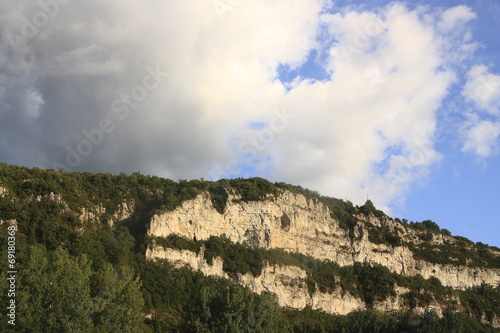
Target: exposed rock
124 211
10 222
495 322
287 282
56 197
3 191
91 215
309 229
180 258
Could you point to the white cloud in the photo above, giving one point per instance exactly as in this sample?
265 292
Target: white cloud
378 108
479 134
368 129
482 138
455 16
483 89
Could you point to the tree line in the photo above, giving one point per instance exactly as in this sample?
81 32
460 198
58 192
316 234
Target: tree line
92 276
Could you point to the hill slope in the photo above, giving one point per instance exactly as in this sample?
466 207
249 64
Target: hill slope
291 246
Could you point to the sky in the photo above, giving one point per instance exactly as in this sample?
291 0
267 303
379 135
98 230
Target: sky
398 102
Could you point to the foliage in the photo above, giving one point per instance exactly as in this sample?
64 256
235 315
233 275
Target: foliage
79 275
54 292
104 245
308 320
460 253
383 235
219 197
431 227
253 189
423 291
187 301
238 258
370 283
369 209
61 293
174 241
482 300
375 283
118 299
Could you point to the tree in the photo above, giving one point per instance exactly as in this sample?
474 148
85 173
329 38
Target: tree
54 292
368 208
429 224
59 293
118 299
263 314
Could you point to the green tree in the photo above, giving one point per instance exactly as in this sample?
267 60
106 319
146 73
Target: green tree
54 292
429 224
118 299
263 314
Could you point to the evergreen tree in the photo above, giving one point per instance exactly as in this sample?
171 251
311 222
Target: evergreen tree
118 300
54 292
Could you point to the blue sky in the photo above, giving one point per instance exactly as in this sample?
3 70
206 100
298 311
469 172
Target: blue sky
462 192
395 101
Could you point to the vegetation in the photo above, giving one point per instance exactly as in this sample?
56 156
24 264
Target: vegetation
58 292
370 283
462 252
252 189
307 321
185 301
429 225
424 291
383 235
90 274
484 300
369 209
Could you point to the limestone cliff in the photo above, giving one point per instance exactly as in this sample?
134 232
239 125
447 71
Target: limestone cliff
288 283
294 223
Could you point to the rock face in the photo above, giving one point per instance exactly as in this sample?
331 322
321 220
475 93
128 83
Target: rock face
294 223
287 282
3 191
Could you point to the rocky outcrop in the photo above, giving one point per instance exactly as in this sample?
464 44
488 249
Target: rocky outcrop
288 283
294 223
124 211
56 197
91 215
12 222
3 191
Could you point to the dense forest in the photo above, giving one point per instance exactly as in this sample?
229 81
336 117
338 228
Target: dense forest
80 268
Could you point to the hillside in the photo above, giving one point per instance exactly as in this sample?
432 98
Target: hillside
230 256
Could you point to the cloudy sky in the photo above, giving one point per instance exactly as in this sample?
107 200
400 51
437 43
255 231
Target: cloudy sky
398 102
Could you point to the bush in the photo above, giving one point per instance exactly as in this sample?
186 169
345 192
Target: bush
460 253
431 225
369 209
383 235
177 242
